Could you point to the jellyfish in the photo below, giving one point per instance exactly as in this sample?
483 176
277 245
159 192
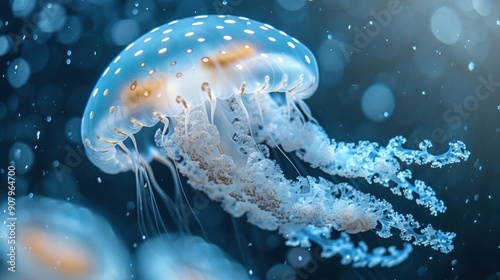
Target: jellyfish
59 240
220 92
177 256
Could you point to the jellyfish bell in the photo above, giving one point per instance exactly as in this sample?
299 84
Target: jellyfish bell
59 240
227 90
177 256
180 66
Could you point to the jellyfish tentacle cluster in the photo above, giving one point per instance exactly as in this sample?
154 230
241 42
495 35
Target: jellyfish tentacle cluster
365 159
228 90
300 208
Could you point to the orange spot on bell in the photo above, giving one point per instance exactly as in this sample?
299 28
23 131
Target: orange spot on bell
229 57
51 249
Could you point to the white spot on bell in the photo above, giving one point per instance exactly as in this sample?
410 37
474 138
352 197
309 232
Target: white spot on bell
308 60
129 46
105 72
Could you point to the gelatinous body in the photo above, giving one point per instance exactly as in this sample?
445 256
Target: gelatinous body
59 240
185 257
183 64
227 89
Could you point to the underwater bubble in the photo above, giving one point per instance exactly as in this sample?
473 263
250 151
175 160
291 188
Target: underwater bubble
482 7
471 66
4 45
292 5
22 8
281 272
446 25
130 205
124 32
378 102
298 257
18 72
51 18
22 156
465 5
72 130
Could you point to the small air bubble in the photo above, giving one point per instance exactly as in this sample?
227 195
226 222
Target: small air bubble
471 66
